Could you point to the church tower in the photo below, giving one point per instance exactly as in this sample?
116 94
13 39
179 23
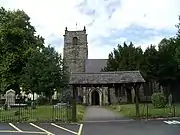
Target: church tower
75 49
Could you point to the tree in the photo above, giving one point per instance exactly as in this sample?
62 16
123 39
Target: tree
177 42
52 72
178 28
17 36
125 58
44 72
168 68
161 65
31 73
150 63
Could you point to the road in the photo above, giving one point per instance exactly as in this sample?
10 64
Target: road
132 128
158 127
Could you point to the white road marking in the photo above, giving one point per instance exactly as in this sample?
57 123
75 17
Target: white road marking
172 122
26 132
65 129
178 122
49 133
80 129
12 125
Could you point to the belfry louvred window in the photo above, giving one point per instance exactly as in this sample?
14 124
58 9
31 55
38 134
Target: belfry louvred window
75 40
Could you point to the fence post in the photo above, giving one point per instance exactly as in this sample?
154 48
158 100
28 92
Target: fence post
137 100
147 111
174 110
74 110
19 111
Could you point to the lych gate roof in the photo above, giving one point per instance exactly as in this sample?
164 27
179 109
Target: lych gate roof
106 77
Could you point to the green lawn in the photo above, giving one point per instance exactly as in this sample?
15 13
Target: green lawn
80 112
129 110
40 114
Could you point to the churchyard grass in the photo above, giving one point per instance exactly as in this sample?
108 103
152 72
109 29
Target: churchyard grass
43 113
146 111
80 112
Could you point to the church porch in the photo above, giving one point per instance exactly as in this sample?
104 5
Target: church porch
105 87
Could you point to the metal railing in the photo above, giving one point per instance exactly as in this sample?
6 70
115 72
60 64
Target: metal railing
18 111
148 111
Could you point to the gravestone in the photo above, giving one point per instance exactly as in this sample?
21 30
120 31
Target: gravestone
33 105
170 100
10 97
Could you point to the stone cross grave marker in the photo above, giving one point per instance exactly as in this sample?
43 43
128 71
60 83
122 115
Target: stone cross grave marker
10 97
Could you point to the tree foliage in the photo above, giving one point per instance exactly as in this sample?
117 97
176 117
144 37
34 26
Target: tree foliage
44 72
25 61
126 57
161 64
17 36
158 100
168 68
150 62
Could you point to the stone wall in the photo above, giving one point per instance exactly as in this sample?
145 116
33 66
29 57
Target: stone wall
113 97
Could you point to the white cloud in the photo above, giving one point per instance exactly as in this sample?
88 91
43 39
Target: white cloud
52 16
97 51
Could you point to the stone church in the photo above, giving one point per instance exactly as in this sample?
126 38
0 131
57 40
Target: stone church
75 53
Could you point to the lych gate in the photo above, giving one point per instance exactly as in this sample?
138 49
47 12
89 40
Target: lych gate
111 80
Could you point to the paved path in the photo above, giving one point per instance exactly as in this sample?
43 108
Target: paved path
98 113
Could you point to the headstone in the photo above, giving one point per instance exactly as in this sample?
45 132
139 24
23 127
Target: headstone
156 86
33 105
10 97
133 95
170 100
60 105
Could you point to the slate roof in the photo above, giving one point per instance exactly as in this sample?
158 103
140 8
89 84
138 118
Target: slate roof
106 77
94 65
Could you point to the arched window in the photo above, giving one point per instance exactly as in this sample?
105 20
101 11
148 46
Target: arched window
75 40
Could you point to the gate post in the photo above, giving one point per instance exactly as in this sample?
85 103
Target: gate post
74 104
74 110
136 87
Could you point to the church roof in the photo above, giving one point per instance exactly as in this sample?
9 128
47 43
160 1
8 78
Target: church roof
106 77
95 65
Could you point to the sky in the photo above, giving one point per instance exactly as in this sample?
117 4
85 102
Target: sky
108 22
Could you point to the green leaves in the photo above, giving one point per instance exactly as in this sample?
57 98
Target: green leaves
160 65
17 36
178 28
158 100
44 71
150 63
126 57
24 60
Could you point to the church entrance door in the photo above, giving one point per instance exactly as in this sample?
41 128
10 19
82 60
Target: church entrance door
95 98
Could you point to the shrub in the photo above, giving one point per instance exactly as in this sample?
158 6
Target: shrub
28 103
42 100
158 100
